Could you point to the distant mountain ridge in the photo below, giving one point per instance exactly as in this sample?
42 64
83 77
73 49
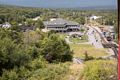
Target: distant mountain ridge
108 7
98 7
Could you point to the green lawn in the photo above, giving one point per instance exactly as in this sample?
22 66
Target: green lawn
80 49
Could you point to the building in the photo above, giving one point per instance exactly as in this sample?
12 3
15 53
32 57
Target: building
108 31
27 28
61 25
6 25
94 17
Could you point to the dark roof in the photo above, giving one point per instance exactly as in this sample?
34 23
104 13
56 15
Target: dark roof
25 28
60 21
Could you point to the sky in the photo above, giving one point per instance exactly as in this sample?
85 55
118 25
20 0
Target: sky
60 3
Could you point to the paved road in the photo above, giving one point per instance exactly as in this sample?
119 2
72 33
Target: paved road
94 40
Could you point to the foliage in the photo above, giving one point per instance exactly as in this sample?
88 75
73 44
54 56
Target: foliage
30 22
20 61
11 34
101 70
17 14
30 37
11 54
38 63
9 75
52 72
39 24
54 48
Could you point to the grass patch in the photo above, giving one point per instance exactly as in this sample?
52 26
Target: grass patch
79 50
101 70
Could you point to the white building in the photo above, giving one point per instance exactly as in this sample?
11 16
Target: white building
94 17
6 25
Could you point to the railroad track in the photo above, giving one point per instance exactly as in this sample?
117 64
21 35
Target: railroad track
108 44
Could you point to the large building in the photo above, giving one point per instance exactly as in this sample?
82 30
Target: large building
61 25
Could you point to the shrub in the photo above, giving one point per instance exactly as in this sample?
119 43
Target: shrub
12 55
9 75
54 48
52 72
101 70
38 63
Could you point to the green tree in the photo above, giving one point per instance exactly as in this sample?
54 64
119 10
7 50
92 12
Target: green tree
39 24
9 75
30 22
54 48
12 54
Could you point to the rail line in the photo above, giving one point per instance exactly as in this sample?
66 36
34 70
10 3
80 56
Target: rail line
108 44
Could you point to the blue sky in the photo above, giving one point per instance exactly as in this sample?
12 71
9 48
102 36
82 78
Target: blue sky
60 3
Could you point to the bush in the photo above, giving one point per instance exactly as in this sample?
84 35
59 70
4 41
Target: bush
13 35
29 61
52 72
38 63
9 75
12 55
54 48
101 70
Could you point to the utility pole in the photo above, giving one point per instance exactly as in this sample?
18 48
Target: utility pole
119 39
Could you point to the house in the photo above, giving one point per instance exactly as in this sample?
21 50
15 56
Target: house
6 25
61 25
94 17
27 28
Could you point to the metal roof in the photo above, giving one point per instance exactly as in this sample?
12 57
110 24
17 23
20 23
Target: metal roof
60 21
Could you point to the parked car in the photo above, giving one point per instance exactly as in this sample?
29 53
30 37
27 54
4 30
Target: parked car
109 38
